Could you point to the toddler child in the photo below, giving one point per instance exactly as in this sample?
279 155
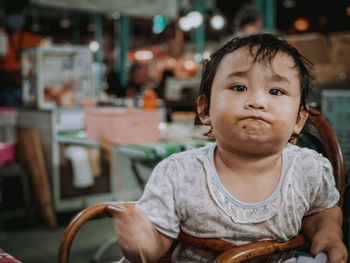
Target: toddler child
251 184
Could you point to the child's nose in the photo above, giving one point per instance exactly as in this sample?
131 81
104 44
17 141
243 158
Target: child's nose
256 101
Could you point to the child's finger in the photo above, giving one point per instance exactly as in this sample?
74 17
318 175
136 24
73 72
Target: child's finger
142 255
126 217
122 214
116 209
337 254
316 248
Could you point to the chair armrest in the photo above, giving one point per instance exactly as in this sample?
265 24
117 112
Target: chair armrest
78 221
259 249
215 245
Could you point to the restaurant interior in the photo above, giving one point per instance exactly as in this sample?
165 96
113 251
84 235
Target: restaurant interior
103 90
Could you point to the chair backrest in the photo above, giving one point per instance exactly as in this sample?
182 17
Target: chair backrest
317 134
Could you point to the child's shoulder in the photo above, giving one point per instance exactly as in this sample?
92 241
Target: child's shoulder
201 151
184 163
306 160
296 151
189 155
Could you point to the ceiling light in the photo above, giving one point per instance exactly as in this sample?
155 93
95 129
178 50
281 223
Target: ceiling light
159 24
195 19
65 23
217 22
94 46
115 15
184 24
301 24
198 57
143 55
288 3
189 64
206 55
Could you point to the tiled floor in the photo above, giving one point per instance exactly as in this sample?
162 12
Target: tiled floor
39 244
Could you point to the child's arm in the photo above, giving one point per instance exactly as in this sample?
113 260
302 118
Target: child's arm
325 232
138 240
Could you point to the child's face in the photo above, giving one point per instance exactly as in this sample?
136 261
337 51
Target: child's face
254 106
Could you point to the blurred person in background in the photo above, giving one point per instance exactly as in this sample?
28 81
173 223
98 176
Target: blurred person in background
114 86
248 20
11 62
161 87
137 79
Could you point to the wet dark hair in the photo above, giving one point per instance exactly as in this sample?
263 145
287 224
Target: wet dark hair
263 47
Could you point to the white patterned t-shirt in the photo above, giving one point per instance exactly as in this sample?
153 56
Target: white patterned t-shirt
185 193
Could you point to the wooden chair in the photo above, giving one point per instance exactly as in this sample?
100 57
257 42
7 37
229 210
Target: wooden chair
317 130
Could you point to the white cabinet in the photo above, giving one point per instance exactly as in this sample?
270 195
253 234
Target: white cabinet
58 75
58 129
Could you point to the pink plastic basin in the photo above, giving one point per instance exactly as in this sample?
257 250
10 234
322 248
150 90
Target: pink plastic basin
122 125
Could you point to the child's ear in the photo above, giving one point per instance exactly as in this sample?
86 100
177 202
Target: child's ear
202 109
302 117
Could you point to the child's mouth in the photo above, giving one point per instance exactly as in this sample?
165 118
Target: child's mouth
255 118
254 124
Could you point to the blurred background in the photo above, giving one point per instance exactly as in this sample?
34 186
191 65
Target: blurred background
174 34
162 39
68 69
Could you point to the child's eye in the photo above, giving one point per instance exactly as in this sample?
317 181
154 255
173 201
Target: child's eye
239 88
276 92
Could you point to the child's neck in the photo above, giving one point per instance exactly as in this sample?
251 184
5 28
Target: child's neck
236 161
242 175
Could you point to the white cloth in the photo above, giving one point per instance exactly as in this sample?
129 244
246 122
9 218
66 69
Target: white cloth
320 258
185 193
82 175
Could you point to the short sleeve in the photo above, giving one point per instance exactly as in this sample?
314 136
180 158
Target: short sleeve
324 194
158 199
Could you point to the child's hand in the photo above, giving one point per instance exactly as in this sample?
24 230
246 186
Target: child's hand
132 227
328 241
137 238
325 232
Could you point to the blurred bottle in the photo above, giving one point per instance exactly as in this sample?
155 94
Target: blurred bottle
150 98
